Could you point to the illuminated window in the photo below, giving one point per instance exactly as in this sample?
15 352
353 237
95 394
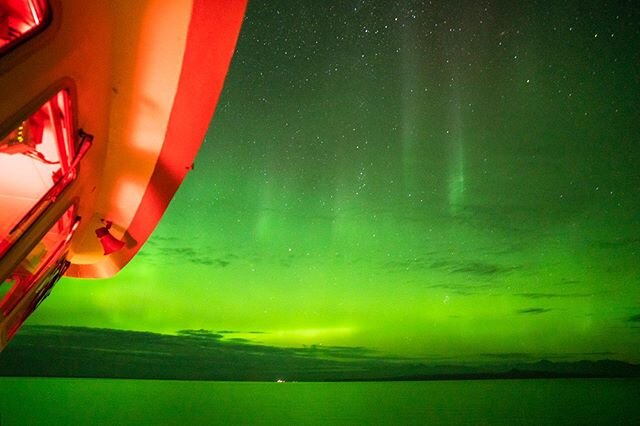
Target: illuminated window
31 281
35 163
20 19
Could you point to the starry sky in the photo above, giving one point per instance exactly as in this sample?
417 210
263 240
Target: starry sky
450 180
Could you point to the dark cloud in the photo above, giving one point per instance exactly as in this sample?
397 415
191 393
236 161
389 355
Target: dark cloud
172 250
47 351
204 334
481 269
407 264
190 354
463 289
190 255
552 295
187 254
239 340
619 243
533 311
507 355
476 268
342 352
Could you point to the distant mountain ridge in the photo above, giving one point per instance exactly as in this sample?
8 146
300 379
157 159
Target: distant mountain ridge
599 368
543 369
53 351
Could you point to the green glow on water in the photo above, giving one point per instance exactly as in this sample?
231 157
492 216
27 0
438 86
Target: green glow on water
54 401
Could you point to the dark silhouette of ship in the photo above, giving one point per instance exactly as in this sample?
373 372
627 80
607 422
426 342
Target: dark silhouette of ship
103 107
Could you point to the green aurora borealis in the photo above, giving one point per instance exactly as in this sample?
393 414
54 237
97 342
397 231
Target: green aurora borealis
456 180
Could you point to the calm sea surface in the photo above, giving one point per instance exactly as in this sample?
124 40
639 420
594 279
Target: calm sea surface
40 401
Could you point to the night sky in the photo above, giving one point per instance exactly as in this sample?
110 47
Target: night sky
450 180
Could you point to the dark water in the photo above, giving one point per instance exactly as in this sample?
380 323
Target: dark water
94 401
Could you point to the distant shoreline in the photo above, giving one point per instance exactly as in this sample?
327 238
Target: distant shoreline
510 375
104 353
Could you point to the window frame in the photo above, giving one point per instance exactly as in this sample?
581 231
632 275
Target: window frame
25 37
76 140
44 278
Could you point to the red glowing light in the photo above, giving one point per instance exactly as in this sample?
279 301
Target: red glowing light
34 158
110 244
20 19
